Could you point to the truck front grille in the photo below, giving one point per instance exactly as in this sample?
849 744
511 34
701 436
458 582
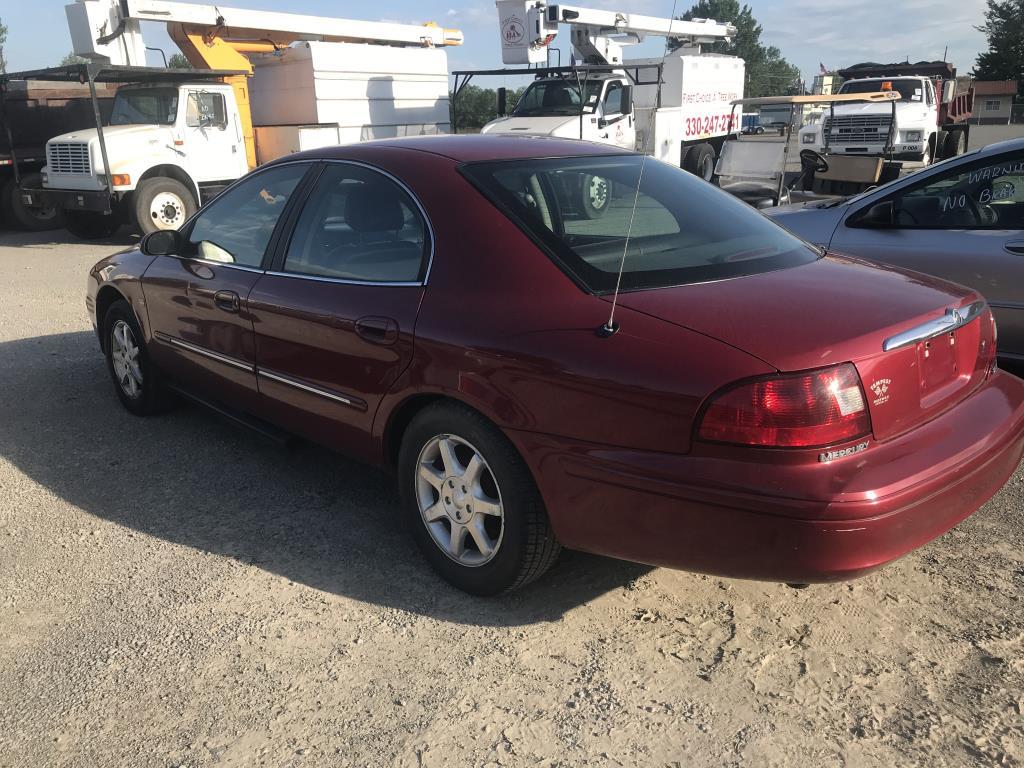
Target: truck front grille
68 158
858 129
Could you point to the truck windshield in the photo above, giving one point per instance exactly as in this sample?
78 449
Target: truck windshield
152 106
684 230
558 97
909 90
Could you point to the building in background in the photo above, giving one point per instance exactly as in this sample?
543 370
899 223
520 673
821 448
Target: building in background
993 101
826 84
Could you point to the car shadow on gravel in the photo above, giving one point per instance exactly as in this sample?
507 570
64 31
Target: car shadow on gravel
190 478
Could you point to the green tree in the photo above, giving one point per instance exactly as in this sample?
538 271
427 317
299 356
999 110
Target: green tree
1004 28
3 42
476 106
72 58
178 61
768 73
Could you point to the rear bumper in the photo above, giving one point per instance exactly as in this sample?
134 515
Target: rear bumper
757 520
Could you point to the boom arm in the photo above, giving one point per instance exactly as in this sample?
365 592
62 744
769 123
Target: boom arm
528 28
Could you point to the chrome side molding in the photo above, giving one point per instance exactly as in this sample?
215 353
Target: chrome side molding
950 321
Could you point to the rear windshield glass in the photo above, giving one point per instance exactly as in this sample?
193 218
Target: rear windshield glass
684 230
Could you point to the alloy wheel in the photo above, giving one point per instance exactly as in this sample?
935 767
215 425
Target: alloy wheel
459 500
124 354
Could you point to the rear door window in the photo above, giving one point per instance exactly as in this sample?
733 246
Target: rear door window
680 229
359 226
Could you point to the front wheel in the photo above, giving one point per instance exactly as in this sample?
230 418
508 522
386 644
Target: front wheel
138 382
161 203
596 196
471 502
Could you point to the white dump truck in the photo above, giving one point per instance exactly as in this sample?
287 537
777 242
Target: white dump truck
677 109
930 116
276 83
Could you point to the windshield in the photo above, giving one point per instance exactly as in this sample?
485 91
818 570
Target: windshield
684 230
558 97
151 106
909 90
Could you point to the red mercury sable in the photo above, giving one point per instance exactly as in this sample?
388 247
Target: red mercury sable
444 305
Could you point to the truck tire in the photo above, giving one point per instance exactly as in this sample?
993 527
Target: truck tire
91 226
595 196
954 145
32 218
161 203
700 161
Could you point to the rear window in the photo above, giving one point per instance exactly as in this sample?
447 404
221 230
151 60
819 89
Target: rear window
683 230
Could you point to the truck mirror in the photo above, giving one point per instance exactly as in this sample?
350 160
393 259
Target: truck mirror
502 102
163 242
626 104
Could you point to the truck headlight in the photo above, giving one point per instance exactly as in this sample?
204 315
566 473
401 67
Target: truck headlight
44 177
913 135
807 138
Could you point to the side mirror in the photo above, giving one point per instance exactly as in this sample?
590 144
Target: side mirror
626 104
163 242
502 102
879 215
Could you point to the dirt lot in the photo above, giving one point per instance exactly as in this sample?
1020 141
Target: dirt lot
176 592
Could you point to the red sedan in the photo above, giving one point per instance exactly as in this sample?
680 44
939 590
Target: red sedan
443 306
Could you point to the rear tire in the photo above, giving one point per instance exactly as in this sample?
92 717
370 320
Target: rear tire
31 218
438 450
161 203
700 161
954 144
91 226
139 384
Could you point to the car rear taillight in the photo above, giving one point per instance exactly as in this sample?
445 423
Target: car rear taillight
802 410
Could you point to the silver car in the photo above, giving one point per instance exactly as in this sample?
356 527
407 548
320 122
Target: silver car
961 219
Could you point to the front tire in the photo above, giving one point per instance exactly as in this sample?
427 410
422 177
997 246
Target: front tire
138 383
471 503
161 203
595 196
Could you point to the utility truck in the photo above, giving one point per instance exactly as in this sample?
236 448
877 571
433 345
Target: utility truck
268 84
930 120
677 108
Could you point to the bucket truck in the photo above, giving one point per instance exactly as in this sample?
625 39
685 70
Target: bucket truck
266 84
677 108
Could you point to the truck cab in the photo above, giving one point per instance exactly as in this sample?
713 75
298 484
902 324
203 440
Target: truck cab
864 128
168 147
594 108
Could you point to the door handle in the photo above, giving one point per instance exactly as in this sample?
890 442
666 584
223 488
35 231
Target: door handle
377 330
1015 247
226 300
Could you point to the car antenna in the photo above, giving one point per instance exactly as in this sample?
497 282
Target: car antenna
610 327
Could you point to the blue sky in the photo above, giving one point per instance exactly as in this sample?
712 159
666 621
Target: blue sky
808 32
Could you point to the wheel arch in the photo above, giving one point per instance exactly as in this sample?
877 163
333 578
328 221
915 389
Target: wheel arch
106 297
171 171
401 415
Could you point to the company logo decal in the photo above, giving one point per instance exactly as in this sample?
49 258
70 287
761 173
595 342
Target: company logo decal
881 390
512 30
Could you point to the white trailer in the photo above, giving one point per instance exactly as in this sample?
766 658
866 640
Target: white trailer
677 108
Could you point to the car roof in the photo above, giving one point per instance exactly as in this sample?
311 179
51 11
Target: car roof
471 147
1009 145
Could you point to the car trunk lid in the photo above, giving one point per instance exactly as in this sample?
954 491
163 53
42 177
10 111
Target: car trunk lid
920 344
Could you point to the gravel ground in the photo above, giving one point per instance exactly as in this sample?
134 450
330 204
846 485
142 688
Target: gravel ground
177 592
